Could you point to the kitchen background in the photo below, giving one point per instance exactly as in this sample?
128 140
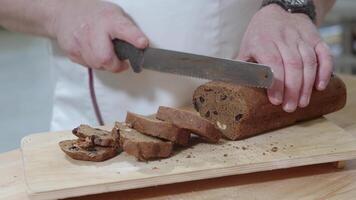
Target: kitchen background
26 79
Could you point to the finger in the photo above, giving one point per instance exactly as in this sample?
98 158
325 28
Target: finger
88 55
126 30
124 65
78 59
325 67
103 51
309 72
84 42
73 52
268 54
293 69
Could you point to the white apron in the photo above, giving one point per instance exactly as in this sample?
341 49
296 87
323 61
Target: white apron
207 27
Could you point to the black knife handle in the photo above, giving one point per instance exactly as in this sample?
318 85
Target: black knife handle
125 50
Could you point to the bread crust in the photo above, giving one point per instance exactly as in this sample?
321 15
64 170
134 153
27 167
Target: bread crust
94 153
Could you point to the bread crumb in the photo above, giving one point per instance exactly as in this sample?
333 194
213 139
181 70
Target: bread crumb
225 155
221 126
274 149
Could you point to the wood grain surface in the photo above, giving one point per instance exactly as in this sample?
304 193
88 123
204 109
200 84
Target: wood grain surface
50 174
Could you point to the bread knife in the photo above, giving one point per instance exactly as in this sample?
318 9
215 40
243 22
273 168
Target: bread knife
198 66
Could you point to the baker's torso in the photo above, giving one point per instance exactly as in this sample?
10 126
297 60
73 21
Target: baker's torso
207 27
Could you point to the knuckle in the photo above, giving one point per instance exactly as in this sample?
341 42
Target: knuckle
97 67
104 59
294 63
115 69
124 23
93 63
84 29
313 39
273 58
288 34
73 51
109 11
259 38
310 62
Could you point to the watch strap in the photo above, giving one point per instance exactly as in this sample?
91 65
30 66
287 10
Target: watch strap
308 8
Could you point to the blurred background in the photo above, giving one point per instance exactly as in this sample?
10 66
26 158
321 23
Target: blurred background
26 80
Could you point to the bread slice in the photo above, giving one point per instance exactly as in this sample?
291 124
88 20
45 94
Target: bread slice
141 146
95 153
158 128
99 137
240 112
190 121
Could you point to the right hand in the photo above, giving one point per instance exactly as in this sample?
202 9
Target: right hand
85 29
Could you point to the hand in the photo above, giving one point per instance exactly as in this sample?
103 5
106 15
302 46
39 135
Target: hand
85 29
291 45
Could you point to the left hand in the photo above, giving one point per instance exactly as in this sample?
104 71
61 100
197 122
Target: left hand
291 45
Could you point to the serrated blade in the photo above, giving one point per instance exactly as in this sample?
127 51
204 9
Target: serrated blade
205 67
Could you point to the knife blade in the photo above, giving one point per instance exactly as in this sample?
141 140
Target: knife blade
198 66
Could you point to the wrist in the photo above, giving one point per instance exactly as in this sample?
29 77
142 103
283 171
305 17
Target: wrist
306 7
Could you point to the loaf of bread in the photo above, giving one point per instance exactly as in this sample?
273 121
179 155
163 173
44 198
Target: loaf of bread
74 150
98 136
190 121
143 147
239 112
158 128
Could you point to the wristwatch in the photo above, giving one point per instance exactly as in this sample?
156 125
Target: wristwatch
295 6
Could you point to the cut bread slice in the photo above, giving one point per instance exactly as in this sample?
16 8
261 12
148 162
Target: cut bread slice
99 137
190 121
94 153
141 146
158 128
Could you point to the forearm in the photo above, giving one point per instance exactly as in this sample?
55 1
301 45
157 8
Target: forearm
28 16
322 8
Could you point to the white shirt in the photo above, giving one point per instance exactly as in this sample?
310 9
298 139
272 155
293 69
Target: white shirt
206 27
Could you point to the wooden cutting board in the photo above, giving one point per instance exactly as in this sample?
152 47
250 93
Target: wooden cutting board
49 174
